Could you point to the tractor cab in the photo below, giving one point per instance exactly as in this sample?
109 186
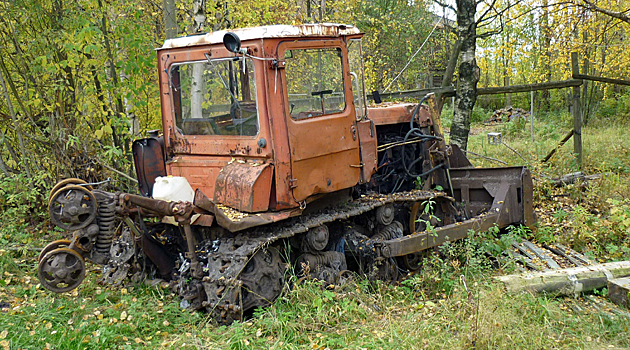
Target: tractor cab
260 119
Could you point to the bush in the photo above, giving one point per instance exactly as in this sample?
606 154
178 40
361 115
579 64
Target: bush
615 109
23 199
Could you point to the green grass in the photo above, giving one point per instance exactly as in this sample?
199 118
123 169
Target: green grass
431 309
359 315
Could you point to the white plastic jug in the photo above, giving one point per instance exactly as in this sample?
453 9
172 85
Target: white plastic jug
173 188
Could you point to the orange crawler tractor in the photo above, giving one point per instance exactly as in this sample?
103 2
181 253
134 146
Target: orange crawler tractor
270 156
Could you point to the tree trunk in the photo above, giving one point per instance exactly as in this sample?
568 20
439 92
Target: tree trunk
546 62
447 79
468 73
170 18
113 75
16 126
567 281
198 82
506 64
3 166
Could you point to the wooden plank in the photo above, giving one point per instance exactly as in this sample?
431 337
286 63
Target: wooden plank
529 87
541 255
602 79
618 290
560 252
524 251
573 253
577 113
562 142
527 262
569 281
450 91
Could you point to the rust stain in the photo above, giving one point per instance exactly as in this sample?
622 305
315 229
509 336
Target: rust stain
244 186
395 113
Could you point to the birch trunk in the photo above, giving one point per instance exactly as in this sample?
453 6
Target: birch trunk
198 82
468 73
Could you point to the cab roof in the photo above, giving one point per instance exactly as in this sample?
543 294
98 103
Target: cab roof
264 32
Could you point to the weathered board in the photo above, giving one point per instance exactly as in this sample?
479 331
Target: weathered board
570 281
618 290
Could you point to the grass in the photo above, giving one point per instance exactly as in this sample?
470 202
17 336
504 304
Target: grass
431 309
359 315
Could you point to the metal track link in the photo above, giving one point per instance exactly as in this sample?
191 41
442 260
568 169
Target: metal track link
224 289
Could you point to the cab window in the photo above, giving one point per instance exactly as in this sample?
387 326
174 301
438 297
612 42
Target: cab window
314 82
215 97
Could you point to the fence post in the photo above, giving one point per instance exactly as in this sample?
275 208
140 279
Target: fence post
577 112
531 113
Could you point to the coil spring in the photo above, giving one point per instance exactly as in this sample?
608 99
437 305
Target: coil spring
391 231
323 258
106 223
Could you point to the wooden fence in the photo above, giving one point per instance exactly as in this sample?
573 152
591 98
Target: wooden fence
575 83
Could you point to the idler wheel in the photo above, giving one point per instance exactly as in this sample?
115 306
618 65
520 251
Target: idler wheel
63 183
413 261
62 243
418 219
61 270
72 207
386 270
262 278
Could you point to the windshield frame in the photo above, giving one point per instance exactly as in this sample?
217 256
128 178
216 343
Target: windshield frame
176 109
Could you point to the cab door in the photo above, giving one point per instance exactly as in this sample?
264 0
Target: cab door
320 117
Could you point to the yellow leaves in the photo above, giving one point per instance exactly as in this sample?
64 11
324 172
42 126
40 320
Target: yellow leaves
4 334
105 130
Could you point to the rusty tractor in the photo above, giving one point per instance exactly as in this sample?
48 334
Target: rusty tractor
270 157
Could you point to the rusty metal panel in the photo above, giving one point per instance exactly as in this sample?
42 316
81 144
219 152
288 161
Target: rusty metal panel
498 195
234 220
244 186
324 149
424 240
457 158
529 216
204 220
482 186
395 113
148 158
201 172
326 173
368 143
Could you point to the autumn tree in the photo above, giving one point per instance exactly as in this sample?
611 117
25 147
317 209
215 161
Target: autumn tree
470 27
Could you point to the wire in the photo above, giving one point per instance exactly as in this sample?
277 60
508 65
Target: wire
260 58
414 55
